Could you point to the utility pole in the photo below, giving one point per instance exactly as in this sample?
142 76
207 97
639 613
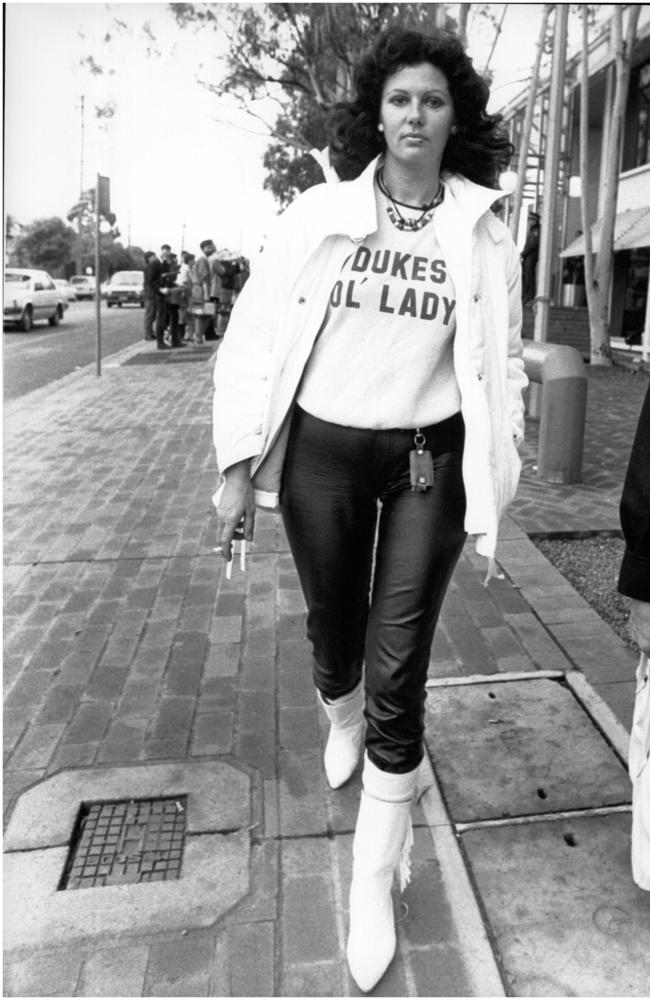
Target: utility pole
78 254
83 126
551 169
98 298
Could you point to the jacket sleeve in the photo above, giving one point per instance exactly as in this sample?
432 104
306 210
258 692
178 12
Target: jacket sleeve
244 367
517 380
634 577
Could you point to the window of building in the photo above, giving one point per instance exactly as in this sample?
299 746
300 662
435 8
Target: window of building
641 112
636 291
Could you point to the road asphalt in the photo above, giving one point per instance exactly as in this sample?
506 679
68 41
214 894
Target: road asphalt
45 354
177 704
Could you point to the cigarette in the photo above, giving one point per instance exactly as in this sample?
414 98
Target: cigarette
242 555
229 569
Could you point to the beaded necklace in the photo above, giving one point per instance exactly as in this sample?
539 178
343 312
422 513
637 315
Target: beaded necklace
396 217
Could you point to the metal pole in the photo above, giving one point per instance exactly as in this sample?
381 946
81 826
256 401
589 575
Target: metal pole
551 161
98 301
645 341
81 172
568 163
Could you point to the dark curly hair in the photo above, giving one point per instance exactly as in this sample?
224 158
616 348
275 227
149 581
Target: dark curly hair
480 149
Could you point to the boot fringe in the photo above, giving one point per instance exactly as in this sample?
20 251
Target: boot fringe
405 858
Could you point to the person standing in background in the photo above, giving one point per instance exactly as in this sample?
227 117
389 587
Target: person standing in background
152 276
174 294
185 280
166 280
529 259
202 290
216 288
230 270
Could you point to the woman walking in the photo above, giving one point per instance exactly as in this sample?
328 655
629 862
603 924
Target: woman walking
371 377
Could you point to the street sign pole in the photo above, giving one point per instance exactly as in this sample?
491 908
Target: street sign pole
98 301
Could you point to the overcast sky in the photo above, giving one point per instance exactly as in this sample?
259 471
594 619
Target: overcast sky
177 173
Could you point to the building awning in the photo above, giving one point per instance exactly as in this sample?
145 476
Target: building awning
631 230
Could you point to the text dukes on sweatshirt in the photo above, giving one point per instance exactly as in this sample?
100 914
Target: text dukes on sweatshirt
406 290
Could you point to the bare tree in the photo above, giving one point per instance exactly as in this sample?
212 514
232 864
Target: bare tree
522 164
463 16
598 275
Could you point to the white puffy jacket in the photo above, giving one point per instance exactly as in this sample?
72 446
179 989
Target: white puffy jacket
277 317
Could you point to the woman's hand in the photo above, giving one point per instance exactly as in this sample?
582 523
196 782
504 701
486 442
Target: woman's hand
639 624
237 505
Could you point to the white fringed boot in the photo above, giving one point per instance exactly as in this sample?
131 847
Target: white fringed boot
382 844
345 736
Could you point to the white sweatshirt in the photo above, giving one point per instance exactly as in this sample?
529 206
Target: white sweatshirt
384 356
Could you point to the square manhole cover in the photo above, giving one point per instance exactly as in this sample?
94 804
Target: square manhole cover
519 748
138 840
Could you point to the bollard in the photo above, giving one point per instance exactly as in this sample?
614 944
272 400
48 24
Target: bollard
561 372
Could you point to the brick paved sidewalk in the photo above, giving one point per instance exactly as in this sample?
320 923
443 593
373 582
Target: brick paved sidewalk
614 400
126 645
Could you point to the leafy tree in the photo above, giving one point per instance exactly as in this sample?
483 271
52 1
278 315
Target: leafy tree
13 230
291 169
299 59
524 144
46 243
137 258
113 256
286 64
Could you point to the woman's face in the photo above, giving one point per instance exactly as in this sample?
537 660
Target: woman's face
417 114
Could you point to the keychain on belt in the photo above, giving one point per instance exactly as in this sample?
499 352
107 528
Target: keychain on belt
421 464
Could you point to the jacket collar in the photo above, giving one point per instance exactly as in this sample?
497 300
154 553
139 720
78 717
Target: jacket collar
355 211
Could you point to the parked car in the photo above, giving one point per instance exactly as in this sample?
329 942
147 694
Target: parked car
125 286
31 295
66 289
84 285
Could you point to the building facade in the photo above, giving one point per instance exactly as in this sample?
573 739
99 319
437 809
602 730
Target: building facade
629 309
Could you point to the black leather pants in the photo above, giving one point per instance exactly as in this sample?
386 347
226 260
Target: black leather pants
353 523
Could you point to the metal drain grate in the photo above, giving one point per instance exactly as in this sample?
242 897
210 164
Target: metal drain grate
178 356
126 841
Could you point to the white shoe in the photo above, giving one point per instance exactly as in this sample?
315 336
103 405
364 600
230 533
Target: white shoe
345 736
382 844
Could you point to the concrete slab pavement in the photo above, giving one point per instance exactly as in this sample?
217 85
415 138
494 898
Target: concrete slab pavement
127 648
580 928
